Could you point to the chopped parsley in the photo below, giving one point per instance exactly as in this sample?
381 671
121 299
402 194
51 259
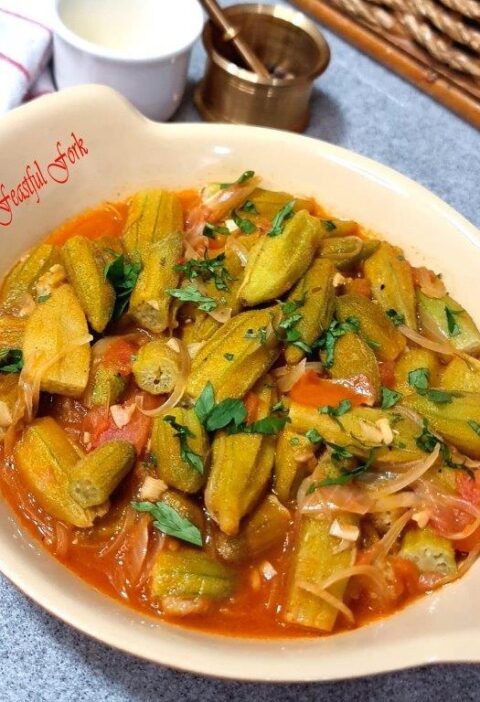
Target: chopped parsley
229 356
244 178
328 225
260 334
231 414
183 433
43 298
427 442
283 214
336 412
452 324
150 459
389 398
475 426
420 380
245 225
373 344
123 276
211 231
288 324
346 476
314 437
329 338
11 360
170 522
191 294
249 206
206 269
396 317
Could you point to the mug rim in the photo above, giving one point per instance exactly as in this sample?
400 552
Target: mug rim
91 48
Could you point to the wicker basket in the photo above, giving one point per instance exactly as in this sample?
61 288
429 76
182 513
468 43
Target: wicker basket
433 43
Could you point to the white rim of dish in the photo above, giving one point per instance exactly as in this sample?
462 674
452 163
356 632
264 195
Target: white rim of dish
70 37
429 647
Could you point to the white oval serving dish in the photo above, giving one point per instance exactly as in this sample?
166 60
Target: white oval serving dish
87 144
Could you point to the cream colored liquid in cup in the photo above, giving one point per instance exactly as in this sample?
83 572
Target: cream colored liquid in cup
134 28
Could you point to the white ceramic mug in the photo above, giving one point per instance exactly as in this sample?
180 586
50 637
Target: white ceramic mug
140 48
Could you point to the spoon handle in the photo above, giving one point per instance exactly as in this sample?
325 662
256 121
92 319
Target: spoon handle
231 33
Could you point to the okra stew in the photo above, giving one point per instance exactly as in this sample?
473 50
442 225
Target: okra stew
231 410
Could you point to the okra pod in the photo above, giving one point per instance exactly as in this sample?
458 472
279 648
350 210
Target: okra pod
55 330
105 387
265 528
430 552
153 216
353 357
410 361
23 276
156 367
94 292
190 574
316 557
346 252
97 475
358 431
444 319
171 451
276 262
457 421
240 471
391 280
268 202
375 327
150 303
239 353
461 375
46 460
316 291
289 470
12 330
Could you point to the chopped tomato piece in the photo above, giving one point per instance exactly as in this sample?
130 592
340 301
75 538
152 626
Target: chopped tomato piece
218 243
251 403
190 199
314 391
406 576
468 488
360 286
102 428
106 220
387 373
119 356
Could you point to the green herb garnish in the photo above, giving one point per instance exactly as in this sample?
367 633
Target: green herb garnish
452 324
260 334
288 324
183 433
346 476
11 360
211 231
249 207
328 225
206 269
191 294
389 398
245 225
419 379
475 426
285 213
244 178
123 276
314 437
396 317
329 338
229 356
43 298
336 412
170 522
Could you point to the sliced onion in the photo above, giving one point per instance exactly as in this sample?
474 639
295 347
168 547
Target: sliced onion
413 471
136 548
234 245
221 202
432 496
114 546
402 500
159 541
194 348
178 390
382 548
443 348
330 599
287 376
222 314
343 498
62 536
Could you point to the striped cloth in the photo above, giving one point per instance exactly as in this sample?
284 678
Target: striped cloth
25 51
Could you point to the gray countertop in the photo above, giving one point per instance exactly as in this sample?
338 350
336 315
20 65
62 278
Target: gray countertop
361 106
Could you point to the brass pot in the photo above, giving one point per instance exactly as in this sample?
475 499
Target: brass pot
291 47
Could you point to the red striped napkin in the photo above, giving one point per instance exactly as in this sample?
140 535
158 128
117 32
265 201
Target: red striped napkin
25 51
